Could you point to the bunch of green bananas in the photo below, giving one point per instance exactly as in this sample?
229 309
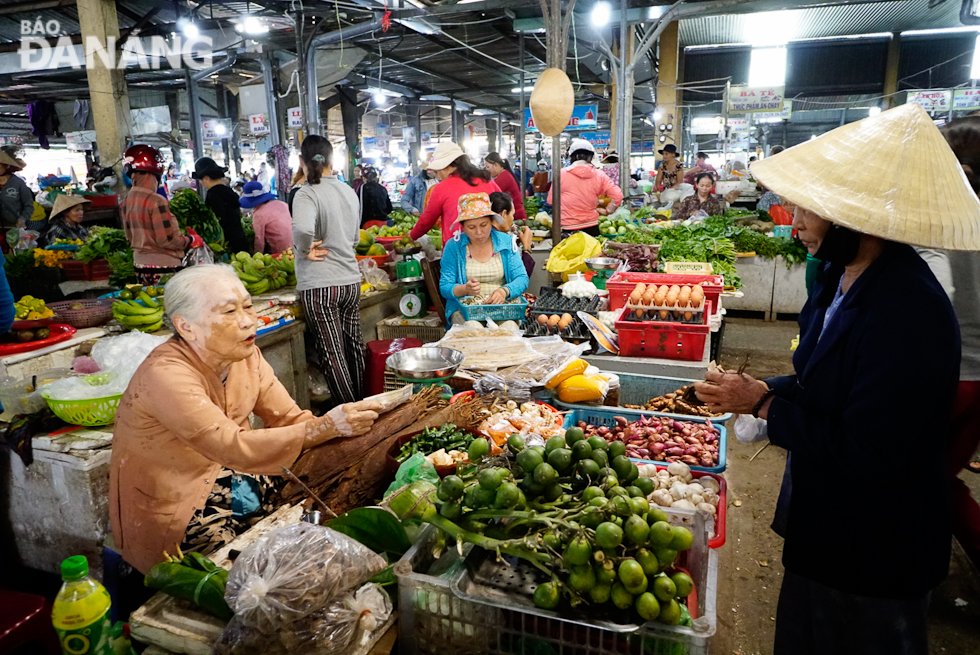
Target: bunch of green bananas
261 273
141 313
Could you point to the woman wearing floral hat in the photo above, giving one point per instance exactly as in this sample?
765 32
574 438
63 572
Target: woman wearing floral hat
877 336
479 262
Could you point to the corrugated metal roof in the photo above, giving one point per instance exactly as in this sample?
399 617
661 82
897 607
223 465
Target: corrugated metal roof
820 22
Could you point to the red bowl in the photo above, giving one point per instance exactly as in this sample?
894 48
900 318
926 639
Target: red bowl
392 464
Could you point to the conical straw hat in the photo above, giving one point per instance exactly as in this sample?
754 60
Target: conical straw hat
892 176
64 202
10 160
552 102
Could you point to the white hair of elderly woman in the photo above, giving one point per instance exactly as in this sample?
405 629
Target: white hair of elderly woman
188 292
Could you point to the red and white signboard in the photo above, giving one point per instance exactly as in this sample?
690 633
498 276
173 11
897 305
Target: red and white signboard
257 124
294 118
750 99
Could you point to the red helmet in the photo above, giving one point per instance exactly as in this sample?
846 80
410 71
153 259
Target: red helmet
144 159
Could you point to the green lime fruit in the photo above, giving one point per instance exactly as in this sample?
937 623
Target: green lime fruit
647 606
631 574
552 492
656 515
599 501
451 510
634 473
645 485
591 517
608 535
648 561
587 468
451 487
661 534
560 459
581 450
640 505
545 474
600 457
681 538
592 492
620 506
599 593
665 556
551 540
608 481
670 612
598 443
507 496
479 448
490 478
635 492
581 579
477 497
553 443
605 573
664 588
529 459
617 491
636 530
515 442
621 598
547 596
621 465
574 435
617 449
683 583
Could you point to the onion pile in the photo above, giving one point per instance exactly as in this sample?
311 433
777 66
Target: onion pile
663 439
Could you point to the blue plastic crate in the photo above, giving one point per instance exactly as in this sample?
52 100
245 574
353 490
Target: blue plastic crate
606 416
513 311
638 389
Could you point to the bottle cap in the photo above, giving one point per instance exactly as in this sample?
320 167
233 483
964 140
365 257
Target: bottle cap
74 568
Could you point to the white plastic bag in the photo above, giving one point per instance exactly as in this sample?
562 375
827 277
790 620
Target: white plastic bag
198 256
749 429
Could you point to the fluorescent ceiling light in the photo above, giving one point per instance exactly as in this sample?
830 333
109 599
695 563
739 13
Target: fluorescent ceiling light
975 66
380 98
767 67
772 27
252 25
517 89
435 97
655 12
601 13
188 28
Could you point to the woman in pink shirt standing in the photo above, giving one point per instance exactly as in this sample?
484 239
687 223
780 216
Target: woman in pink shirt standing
270 219
457 176
582 186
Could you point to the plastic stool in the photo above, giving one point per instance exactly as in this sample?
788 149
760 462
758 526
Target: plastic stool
377 353
26 619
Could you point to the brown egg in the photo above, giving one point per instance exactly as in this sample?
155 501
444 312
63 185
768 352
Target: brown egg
565 321
553 321
542 319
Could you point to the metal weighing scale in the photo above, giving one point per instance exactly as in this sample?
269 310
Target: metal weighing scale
408 272
602 268
425 367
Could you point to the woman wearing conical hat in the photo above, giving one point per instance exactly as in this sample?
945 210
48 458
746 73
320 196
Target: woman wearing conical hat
879 352
66 217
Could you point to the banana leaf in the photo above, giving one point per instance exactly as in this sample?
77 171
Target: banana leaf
376 528
194 581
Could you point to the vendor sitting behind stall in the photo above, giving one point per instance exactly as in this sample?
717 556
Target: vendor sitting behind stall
66 217
703 200
479 261
187 467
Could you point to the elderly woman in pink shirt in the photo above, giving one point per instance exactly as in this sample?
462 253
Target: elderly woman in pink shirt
271 220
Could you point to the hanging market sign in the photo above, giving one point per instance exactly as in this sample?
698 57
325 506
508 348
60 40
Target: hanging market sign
775 116
80 140
600 139
257 124
215 129
966 99
584 117
932 100
750 99
294 117
707 124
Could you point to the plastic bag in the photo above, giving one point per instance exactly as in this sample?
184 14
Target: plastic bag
569 256
416 467
22 240
293 571
124 354
373 275
198 256
343 626
749 429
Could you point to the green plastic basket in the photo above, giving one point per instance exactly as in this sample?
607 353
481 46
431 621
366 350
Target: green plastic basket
90 413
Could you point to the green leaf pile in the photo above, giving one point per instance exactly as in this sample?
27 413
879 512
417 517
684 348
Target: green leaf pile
190 211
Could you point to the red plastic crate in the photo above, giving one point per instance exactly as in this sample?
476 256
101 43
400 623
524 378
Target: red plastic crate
621 285
97 269
103 201
661 339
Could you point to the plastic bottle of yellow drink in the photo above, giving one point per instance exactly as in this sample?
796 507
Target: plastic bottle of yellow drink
81 611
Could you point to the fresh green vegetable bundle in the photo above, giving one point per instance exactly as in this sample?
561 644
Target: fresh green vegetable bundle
190 211
192 577
446 437
576 509
102 242
122 270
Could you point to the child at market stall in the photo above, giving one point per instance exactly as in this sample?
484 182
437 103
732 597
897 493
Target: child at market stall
503 206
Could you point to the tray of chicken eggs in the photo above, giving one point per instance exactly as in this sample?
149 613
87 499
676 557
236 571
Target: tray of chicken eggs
666 302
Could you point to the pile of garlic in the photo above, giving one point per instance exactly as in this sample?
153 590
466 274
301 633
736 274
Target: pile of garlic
675 486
